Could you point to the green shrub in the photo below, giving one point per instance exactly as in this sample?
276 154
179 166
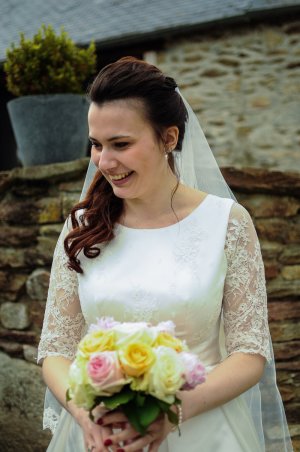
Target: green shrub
48 64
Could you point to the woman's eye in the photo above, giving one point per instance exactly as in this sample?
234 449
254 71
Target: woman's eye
121 144
96 146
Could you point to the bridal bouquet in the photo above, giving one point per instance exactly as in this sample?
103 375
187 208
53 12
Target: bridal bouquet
134 367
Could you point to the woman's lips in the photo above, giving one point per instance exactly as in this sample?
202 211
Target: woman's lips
119 182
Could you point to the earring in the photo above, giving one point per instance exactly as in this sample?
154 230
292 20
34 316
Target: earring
167 152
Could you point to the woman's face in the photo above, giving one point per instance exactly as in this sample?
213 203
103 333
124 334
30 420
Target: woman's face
126 149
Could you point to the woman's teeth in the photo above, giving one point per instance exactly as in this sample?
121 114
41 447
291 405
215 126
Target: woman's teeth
120 176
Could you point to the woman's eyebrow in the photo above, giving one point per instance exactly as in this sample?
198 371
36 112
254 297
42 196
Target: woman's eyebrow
110 139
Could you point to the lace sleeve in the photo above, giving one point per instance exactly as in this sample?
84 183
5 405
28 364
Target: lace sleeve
63 322
245 300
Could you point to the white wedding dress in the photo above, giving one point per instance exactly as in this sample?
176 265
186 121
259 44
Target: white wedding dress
205 273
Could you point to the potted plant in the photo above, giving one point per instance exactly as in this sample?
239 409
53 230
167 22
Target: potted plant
49 116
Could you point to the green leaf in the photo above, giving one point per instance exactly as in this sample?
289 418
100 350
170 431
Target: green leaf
91 416
172 417
131 412
70 65
149 412
68 397
118 399
164 406
140 399
97 402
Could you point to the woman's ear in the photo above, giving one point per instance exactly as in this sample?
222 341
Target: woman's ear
171 138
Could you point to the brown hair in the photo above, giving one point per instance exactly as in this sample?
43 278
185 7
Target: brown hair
127 78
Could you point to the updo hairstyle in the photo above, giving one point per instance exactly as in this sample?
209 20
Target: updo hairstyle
93 219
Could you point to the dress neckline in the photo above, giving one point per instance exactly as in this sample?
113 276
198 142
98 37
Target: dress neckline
180 222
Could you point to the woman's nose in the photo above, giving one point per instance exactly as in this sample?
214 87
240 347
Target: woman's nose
107 160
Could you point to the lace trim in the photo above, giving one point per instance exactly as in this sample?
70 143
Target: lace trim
50 419
245 298
64 323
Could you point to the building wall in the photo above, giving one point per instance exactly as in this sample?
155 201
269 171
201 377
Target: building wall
33 205
242 80
244 84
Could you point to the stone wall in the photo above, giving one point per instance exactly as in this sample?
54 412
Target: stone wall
33 205
244 84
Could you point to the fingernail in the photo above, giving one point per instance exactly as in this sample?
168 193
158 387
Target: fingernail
108 442
99 422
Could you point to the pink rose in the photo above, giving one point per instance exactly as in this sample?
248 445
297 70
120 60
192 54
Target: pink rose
105 323
194 372
105 372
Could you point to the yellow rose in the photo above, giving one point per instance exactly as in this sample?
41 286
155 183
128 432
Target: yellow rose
136 358
166 375
97 341
140 383
166 340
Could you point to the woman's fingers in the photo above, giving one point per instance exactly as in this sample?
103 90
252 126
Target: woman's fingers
115 417
129 441
141 442
121 437
93 439
127 438
96 437
105 434
154 446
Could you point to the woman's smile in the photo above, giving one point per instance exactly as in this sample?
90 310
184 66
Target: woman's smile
121 179
127 151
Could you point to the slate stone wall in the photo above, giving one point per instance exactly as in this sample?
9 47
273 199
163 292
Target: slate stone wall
33 205
243 82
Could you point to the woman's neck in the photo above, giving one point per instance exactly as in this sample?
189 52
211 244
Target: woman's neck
158 211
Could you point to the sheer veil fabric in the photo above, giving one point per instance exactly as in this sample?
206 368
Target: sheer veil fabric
198 168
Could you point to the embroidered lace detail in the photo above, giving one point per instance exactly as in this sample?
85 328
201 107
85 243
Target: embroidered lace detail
50 419
63 322
186 254
144 306
245 299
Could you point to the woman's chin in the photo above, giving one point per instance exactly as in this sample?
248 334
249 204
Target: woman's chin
123 193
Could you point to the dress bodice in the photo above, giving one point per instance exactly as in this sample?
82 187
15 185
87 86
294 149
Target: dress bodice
193 272
206 274
172 273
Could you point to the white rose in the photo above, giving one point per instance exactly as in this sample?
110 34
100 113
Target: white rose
166 327
129 332
166 374
79 390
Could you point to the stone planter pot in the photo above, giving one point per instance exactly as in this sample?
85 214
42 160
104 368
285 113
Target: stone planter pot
49 128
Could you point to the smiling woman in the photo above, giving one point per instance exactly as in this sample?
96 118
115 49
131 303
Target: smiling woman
134 125
138 165
147 244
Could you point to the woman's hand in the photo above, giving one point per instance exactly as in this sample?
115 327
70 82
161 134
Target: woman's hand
130 439
94 434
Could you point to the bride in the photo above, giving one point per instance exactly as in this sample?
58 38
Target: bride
158 236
